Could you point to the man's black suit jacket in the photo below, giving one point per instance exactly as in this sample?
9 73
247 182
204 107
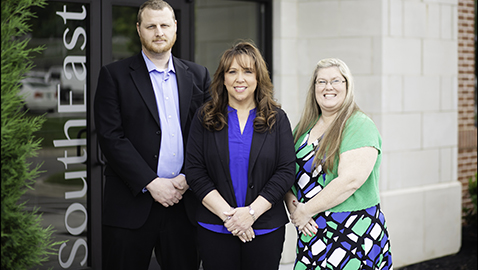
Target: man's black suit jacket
129 133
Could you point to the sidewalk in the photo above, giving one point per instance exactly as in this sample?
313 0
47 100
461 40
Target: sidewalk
154 266
286 266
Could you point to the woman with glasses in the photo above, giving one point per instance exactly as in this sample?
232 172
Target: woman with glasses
335 202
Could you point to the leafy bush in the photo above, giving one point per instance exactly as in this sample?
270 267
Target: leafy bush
470 213
25 243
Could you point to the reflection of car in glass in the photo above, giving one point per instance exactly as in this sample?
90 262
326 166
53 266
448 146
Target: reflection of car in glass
38 95
57 75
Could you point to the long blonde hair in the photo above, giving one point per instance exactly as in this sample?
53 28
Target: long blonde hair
330 143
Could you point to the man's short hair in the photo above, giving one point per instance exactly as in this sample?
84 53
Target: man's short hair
154 5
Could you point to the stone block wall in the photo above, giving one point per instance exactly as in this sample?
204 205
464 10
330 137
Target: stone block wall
404 57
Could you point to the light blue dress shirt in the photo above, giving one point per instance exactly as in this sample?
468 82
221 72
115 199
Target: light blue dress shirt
165 86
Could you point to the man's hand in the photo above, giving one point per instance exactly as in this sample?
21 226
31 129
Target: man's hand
166 191
180 183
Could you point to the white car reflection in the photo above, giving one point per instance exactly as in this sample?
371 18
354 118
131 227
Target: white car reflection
57 75
38 95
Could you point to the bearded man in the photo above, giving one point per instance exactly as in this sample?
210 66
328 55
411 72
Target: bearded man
143 109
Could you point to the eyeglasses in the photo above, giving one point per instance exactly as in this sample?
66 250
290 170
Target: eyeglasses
322 83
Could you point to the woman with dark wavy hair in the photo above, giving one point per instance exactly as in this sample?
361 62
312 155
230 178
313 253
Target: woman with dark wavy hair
240 163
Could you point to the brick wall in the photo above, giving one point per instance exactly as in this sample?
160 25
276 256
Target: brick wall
467 135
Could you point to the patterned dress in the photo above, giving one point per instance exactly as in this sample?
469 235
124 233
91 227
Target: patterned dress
345 240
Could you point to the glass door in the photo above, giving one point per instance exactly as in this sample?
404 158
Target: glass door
219 24
57 88
79 37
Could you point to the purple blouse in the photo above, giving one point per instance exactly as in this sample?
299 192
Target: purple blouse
239 150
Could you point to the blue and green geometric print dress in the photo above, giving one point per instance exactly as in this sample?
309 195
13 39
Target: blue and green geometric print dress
345 240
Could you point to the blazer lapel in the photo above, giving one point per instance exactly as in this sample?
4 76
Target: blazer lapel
141 79
185 84
222 147
258 140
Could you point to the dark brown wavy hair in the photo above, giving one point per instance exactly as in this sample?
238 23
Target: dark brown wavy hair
214 112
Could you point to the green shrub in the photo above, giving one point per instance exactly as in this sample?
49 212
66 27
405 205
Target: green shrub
25 243
470 213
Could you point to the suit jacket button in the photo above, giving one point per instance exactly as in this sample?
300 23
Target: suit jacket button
156 156
158 132
251 187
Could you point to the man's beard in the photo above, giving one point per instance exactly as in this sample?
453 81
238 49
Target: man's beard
149 46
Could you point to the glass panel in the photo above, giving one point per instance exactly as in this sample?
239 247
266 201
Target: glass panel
60 73
219 24
125 39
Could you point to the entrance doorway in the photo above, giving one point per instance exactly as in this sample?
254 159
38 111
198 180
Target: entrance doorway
79 37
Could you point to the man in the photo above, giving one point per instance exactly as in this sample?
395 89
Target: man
143 108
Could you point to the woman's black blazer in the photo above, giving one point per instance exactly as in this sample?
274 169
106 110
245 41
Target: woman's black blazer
271 169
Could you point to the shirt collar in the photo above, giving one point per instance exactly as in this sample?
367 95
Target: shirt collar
231 109
151 66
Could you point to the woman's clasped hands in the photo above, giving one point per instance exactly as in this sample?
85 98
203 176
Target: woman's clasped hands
302 219
239 223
